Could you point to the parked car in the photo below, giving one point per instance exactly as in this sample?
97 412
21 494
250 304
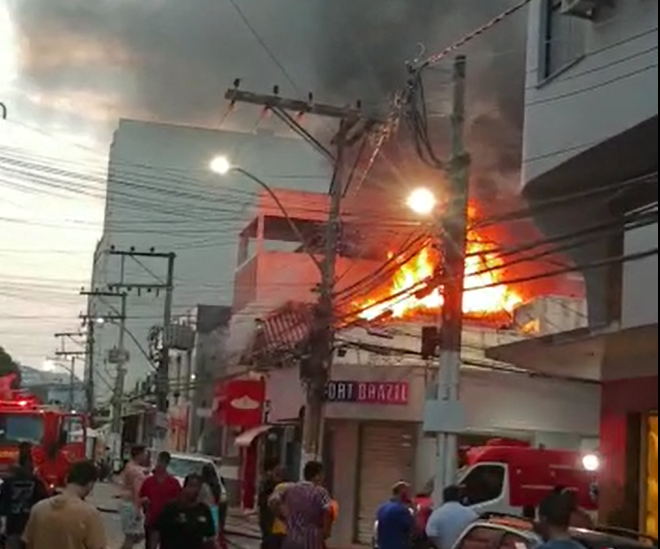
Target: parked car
510 532
183 465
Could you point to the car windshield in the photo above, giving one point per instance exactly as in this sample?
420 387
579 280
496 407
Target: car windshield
17 428
181 467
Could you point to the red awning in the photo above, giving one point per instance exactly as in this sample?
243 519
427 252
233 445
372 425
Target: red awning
245 439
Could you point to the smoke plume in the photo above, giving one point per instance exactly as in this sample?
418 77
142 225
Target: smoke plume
171 60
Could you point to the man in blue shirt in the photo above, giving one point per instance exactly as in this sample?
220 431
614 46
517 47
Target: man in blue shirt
448 522
396 522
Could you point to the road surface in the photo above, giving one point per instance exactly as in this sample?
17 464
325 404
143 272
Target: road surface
104 498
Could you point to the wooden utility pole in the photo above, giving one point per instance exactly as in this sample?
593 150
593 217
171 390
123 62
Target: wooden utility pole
315 366
445 415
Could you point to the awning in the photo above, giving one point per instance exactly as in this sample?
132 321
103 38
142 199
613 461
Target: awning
246 438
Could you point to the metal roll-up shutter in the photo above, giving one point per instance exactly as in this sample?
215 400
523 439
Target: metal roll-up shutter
387 454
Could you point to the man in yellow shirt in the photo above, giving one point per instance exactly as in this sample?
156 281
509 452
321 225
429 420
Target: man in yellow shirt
67 521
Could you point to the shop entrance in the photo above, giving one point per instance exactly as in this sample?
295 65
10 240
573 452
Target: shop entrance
651 503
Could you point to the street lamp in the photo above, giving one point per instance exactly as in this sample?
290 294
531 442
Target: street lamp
591 462
422 201
221 165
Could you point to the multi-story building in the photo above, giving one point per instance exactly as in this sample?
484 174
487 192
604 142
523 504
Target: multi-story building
163 196
590 175
384 433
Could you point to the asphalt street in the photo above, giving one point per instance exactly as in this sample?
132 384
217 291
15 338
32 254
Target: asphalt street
243 534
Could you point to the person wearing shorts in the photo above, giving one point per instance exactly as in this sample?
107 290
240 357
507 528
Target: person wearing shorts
131 514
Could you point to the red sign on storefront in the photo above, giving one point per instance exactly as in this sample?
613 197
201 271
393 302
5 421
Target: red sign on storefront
240 402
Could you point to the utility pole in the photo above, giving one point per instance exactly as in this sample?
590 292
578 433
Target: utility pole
71 369
90 389
119 357
162 374
315 366
445 415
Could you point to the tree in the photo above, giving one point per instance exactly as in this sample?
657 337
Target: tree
9 366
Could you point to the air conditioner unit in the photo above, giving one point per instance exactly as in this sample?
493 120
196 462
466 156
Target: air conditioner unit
584 9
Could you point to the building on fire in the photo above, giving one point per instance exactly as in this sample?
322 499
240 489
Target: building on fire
381 372
591 174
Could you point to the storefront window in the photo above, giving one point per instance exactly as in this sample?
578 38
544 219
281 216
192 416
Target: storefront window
652 478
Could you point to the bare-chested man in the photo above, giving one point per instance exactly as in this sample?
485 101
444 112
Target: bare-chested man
130 508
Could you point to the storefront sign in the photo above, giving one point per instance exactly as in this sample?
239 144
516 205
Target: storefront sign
368 392
241 403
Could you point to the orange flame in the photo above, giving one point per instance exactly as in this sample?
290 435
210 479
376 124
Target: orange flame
409 294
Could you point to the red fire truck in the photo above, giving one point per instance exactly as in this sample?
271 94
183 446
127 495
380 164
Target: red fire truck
510 476
58 438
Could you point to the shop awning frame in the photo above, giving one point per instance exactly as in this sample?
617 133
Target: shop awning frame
246 438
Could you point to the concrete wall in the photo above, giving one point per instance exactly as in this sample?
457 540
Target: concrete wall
162 194
640 279
494 401
613 88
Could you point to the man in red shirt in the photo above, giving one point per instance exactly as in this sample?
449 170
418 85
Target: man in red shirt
157 491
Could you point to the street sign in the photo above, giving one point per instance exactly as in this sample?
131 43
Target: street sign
368 392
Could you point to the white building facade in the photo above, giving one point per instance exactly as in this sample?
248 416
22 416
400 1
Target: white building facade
162 196
590 175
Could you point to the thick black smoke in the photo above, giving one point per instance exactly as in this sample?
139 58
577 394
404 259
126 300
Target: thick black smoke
171 60
363 50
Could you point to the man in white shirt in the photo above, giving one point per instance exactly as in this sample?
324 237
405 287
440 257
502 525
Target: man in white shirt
449 521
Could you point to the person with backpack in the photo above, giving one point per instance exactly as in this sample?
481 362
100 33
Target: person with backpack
20 492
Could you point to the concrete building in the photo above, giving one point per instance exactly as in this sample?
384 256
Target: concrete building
55 388
162 195
590 175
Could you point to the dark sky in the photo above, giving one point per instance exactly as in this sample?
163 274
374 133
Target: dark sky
90 61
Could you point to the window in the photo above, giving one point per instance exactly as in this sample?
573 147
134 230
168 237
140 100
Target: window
16 428
513 541
182 467
484 483
481 537
564 39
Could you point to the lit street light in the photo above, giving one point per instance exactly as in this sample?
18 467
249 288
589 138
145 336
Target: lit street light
222 166
422 201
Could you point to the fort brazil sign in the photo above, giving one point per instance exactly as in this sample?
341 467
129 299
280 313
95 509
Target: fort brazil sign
368 392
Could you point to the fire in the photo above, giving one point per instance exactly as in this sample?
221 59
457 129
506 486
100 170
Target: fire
409 293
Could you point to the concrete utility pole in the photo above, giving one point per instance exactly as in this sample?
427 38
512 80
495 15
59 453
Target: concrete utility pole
119 357
315 367
90 388
445 415
71 355
162 374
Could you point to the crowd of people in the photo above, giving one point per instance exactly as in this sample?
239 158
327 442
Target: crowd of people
398 527
154 508
157 510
